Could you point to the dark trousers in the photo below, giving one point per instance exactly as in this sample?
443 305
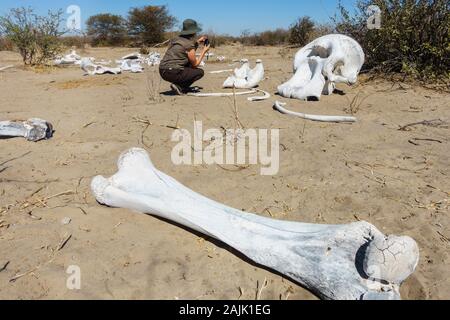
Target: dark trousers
184 78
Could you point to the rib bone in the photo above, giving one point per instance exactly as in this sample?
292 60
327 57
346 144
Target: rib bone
279 106
333 261
32 130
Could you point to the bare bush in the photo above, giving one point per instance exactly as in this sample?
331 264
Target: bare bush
6 44
413 38
36 37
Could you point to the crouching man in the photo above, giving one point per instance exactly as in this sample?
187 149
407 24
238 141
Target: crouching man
180 65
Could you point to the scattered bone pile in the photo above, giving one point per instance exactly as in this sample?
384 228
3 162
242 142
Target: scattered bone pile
130 63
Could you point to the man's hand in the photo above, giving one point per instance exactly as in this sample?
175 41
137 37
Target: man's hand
202 39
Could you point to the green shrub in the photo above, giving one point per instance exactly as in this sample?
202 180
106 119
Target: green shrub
147 25
266 38
106 30
413 39
301 31
35 37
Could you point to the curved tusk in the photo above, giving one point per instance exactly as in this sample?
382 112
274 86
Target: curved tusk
279 106
260 98
221 94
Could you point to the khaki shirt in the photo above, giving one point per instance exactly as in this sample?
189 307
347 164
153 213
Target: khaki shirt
176 56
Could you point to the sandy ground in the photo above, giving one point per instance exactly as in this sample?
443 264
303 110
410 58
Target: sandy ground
329 173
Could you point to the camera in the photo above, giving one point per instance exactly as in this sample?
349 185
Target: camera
207 43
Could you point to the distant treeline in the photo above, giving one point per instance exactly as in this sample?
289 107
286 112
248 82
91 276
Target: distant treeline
412 39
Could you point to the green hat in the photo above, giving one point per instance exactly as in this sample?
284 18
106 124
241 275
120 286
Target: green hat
190 27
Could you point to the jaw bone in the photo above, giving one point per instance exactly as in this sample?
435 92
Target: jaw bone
32 130
342 262
321 64
246 78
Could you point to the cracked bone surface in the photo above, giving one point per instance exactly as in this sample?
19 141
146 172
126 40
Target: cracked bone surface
244 77
32 129
342 262
321 64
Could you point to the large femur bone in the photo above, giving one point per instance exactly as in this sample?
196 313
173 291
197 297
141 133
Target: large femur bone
344 262
32 130
321 64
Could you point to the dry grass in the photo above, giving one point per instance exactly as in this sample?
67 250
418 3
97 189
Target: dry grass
91 82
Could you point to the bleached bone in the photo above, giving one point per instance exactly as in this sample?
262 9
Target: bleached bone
250 79
68 59
221 94
279 106
220 71
243 70
32 129
343 262
103 62
132 56
265 96
93 69
132 66
6 67
154 59
321 64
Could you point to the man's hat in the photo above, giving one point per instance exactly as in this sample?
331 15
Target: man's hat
190 27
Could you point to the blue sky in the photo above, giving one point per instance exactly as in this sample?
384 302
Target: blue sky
224 16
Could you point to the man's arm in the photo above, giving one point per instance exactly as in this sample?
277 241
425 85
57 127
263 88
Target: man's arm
192 56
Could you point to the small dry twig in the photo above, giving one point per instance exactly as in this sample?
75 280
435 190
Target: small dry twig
259 290
428 123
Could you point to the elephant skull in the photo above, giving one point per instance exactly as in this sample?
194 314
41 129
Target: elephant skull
321 64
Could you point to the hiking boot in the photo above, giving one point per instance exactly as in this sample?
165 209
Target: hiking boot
177 89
